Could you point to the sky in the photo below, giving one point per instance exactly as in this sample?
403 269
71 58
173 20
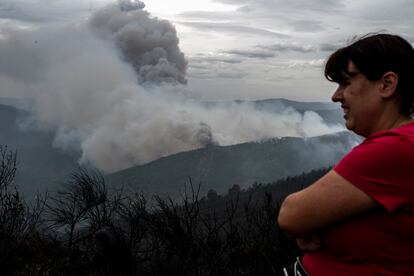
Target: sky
244 49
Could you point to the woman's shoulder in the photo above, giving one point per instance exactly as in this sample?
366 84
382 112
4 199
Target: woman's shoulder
404 133
395 146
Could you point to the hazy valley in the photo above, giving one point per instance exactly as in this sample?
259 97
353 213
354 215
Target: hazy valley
42 165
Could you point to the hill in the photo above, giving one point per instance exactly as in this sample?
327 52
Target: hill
218 167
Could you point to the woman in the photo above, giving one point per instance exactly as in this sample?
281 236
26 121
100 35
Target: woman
359 218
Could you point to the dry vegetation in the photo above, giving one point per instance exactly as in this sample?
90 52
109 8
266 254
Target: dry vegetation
84 229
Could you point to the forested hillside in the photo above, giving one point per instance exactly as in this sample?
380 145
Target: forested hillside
219 168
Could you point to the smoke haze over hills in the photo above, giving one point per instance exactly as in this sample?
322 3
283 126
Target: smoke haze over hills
114 87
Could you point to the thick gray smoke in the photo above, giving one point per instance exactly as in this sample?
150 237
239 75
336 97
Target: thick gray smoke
148 44
84 82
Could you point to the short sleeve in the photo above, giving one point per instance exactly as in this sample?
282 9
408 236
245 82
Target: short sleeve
383 168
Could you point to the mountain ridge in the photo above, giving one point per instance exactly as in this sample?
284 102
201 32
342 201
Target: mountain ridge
220 167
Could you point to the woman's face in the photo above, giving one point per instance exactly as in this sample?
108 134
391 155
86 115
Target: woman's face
360 101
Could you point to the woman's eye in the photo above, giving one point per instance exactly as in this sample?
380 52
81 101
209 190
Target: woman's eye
344 84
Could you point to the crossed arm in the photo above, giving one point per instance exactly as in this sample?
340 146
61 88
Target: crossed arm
330 199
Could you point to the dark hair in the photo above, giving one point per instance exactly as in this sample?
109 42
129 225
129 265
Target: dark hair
374 55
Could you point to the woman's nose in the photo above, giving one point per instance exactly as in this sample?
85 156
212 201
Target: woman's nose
337 95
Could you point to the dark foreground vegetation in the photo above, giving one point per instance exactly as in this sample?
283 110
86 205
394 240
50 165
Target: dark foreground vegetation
85 229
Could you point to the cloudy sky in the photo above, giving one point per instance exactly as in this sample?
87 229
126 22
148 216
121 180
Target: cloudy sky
245 49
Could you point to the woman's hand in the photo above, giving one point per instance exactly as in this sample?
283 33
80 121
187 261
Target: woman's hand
309 242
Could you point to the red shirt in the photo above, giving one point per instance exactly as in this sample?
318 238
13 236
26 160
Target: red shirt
381 241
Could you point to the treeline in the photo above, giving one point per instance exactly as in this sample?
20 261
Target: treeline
85 229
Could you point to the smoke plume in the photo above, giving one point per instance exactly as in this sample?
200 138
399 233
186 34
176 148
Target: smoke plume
113 87
148 44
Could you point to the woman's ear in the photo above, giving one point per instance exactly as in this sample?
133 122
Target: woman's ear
389 83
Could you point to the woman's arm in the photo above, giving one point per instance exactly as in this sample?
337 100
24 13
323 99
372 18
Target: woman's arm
330 199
